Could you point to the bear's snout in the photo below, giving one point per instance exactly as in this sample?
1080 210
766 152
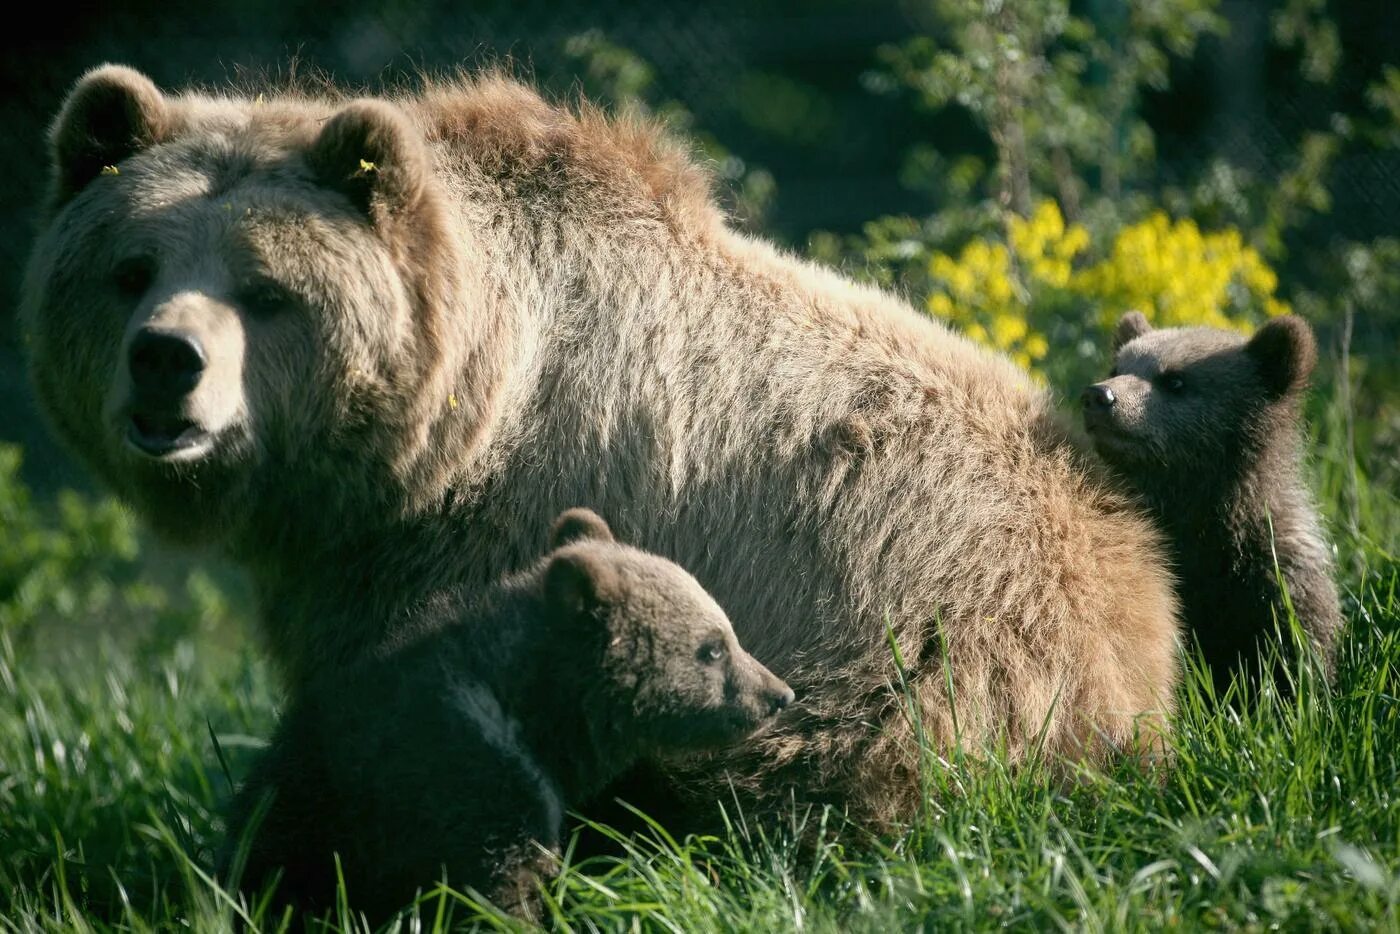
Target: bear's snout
779 699
1098 397
771 692
165 365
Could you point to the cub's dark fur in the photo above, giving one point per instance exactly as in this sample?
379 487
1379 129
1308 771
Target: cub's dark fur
457 753
1207 427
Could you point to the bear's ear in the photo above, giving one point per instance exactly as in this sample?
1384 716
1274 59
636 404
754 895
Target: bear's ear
112 112
579 581
1131 325
1286 353
576 524
370 153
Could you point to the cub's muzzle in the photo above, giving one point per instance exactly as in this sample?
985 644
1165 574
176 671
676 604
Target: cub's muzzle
1097 397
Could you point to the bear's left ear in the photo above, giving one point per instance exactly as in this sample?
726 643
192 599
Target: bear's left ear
579 581
577 524
1133 324
373 155
1285 352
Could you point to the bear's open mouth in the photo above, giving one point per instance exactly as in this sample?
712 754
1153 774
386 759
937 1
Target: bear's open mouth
166 436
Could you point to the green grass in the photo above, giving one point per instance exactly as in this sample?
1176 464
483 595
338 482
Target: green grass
115 763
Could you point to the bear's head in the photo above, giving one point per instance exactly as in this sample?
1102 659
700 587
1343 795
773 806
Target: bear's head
673 676
1196 399
232 302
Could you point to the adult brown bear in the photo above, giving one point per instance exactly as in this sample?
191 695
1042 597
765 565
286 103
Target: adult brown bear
369 348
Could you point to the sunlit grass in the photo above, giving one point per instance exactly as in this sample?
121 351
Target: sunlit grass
1279 810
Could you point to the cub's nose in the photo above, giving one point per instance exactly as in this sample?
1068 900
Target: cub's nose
1097 396
781 698
165 364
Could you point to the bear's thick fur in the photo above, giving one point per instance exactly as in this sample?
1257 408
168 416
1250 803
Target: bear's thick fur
398 336
1208 427
459 753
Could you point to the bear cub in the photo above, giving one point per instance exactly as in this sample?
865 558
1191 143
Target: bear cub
1206 426
456 752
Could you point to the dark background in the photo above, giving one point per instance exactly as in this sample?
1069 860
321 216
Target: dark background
778 84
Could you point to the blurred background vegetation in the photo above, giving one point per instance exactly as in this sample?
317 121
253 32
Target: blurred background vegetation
1024 170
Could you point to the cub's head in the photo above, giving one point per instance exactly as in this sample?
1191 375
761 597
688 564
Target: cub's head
1195 398
227 293
664 666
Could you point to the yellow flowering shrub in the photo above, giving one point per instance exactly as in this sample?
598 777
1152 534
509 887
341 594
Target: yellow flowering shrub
1038 287
1179 276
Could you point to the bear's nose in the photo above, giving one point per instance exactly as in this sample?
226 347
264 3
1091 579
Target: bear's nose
165 364
1097 396
780 699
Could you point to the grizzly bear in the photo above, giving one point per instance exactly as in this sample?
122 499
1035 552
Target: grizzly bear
369 349
459 751
1207 427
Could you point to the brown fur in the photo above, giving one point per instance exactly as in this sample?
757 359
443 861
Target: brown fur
1219 459
457 753
824 459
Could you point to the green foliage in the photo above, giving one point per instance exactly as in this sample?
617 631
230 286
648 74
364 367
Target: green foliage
1055 92
1303 25
1273 813
78 566
62 565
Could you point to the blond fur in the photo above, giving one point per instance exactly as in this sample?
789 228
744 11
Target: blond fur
574 323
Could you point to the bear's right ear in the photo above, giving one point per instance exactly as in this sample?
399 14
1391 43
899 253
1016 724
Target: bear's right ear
579 581
371 153
111 113
1131 325
1286 352
576 524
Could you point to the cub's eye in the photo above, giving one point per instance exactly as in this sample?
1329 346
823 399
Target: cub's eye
265 299
133 276
1171 382
712 652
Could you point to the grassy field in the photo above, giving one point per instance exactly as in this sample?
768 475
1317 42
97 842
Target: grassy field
117 755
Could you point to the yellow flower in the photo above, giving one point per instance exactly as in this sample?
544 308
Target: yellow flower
940 305
1180 276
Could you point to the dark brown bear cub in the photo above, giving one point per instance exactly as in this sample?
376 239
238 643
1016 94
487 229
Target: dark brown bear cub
1207 427
455 755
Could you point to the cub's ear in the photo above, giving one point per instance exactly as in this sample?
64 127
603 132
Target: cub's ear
1286 353
579 581
576 524
372 154
1131 325
111 113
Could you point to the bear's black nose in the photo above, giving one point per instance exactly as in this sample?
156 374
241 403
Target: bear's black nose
165 364
1097 396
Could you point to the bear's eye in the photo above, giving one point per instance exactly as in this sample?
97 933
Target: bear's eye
1171 382
133 276
265 299
712 652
